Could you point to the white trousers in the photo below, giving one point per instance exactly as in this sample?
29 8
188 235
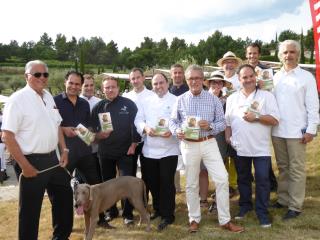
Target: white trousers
208 152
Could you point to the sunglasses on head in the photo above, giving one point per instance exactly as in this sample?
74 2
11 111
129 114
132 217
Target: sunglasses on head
38 74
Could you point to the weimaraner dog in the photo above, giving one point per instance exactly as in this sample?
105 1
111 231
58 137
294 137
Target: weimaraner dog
95 199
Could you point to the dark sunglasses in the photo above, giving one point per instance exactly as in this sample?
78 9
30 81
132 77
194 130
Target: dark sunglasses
38 74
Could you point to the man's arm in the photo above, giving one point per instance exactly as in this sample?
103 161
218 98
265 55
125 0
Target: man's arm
63 149
12 145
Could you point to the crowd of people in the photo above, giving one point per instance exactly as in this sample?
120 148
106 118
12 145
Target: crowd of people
216 126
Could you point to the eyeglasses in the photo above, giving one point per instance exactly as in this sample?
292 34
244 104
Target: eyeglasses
38 74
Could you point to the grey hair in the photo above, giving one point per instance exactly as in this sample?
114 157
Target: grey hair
30 65
193 67
285 43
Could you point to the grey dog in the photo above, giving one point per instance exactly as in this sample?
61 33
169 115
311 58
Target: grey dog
94 199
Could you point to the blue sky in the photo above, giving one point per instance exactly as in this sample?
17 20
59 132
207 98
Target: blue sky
128 22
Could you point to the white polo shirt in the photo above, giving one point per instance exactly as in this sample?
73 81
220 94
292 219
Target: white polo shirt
149 112
141 96
33 120
250 139
298 102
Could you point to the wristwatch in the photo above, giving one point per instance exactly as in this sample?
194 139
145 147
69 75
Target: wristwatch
257 117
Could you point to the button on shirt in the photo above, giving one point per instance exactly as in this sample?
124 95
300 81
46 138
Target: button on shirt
149 113
205 106
297 98
72 115
250 139
33 120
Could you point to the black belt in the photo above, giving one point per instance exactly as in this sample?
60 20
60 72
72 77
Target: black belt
42 155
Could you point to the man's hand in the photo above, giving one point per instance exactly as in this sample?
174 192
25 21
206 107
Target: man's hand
306 138
249 117
180 134
204 125
69 131
63 159
103 135
166 134
132 149
29 171
150 131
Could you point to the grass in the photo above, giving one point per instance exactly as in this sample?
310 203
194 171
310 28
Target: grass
306 226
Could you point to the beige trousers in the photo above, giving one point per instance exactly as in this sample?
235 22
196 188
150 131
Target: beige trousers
290 156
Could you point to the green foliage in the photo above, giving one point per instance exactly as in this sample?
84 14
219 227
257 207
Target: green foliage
288 34
94 51
303 59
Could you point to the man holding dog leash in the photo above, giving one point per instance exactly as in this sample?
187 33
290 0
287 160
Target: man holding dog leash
31 132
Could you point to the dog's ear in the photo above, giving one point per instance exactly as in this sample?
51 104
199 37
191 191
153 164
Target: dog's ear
74 183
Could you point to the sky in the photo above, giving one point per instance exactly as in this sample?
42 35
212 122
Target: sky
127 22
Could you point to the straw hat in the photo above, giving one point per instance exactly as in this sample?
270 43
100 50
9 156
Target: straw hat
229 55
216 76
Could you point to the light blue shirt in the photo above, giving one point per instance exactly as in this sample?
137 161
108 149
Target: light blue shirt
205 106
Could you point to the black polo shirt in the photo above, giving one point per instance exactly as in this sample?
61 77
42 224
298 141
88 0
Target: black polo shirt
72 115
123 112
177 91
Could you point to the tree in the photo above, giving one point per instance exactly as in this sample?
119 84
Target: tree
309 44
288 34
43 49
302 59
15 84
61 47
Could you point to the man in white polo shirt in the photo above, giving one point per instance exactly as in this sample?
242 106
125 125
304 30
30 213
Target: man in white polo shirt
250 114
296 93
31 132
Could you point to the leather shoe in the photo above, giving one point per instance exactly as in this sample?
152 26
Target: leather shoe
154 215
278 205
163 224
194 227
291 214
232 227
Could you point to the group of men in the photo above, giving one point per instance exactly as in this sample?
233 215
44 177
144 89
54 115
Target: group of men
40 133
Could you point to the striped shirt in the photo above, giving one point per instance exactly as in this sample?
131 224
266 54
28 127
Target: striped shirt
205 106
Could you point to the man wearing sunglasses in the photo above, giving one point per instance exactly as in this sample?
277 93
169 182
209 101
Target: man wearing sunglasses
31 132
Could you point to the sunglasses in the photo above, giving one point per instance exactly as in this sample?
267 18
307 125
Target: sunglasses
38 74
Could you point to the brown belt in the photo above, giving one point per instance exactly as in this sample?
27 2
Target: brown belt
200 139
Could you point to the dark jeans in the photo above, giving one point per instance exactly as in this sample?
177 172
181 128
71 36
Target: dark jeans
57 183
262 170
109 167
158 174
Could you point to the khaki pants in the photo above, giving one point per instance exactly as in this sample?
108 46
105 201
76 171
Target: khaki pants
290 156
